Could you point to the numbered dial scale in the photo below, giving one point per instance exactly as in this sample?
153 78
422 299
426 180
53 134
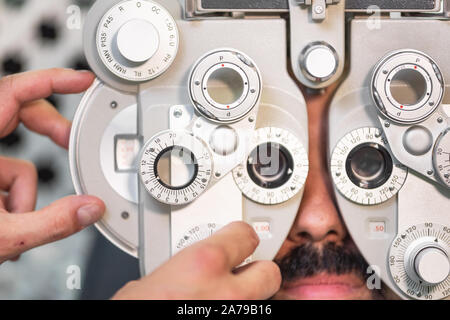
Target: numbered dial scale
419 261
363 169
276 169
420 73
196 234
225 85
442 157
190 151
137 40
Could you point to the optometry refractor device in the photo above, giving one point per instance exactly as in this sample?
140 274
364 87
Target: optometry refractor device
192 124
196 120
390 146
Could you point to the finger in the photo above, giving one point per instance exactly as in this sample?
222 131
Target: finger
19 179
3 199
259 280
55 222
18 89
41 117
238 240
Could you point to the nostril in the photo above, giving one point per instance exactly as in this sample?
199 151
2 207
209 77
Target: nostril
305 236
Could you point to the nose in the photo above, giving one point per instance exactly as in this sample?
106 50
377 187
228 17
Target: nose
318 219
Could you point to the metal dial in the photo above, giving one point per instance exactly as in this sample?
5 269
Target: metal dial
417 75
225 85
191 151
276 169
442 158
363 169
196 234
137 40
419 261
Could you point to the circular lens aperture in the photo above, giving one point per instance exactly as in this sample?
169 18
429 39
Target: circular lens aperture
225 86
270 165
369 166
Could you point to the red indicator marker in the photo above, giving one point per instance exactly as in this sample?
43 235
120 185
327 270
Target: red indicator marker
223 65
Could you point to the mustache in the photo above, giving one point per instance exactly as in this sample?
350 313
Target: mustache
307 260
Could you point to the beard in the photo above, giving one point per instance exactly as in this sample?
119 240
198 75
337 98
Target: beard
307 261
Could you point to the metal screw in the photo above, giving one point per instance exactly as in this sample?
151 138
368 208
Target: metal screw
387 124
338 174
114 104
318 9
251 119
218 174
385 71
197 83
253 91
293 188
391 189
430 172
198 124
239 174
446 176
125 215
431 103
178 113
440 120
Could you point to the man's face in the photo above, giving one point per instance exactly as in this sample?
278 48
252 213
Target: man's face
319 260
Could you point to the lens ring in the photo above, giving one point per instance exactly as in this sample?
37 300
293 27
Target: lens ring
370 184
170 150
262 169
369 165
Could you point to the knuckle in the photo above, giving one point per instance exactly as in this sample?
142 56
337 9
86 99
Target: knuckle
7 83
60 226
210 258
233 293
247 231
272 271
29 168
7 238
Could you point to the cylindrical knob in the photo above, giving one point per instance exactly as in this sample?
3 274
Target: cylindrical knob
138 40
432 265
319 62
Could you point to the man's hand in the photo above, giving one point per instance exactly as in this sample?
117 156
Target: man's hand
21 100
206 270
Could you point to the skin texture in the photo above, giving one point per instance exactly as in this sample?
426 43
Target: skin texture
22 102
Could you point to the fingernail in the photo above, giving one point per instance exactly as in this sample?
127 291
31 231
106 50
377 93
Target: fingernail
89 214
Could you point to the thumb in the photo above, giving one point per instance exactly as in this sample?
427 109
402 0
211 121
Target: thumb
57 221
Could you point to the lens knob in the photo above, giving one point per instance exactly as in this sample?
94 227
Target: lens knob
137 40
319 62
427 262
432 265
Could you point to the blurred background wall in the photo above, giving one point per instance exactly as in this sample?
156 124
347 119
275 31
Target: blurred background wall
39 34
